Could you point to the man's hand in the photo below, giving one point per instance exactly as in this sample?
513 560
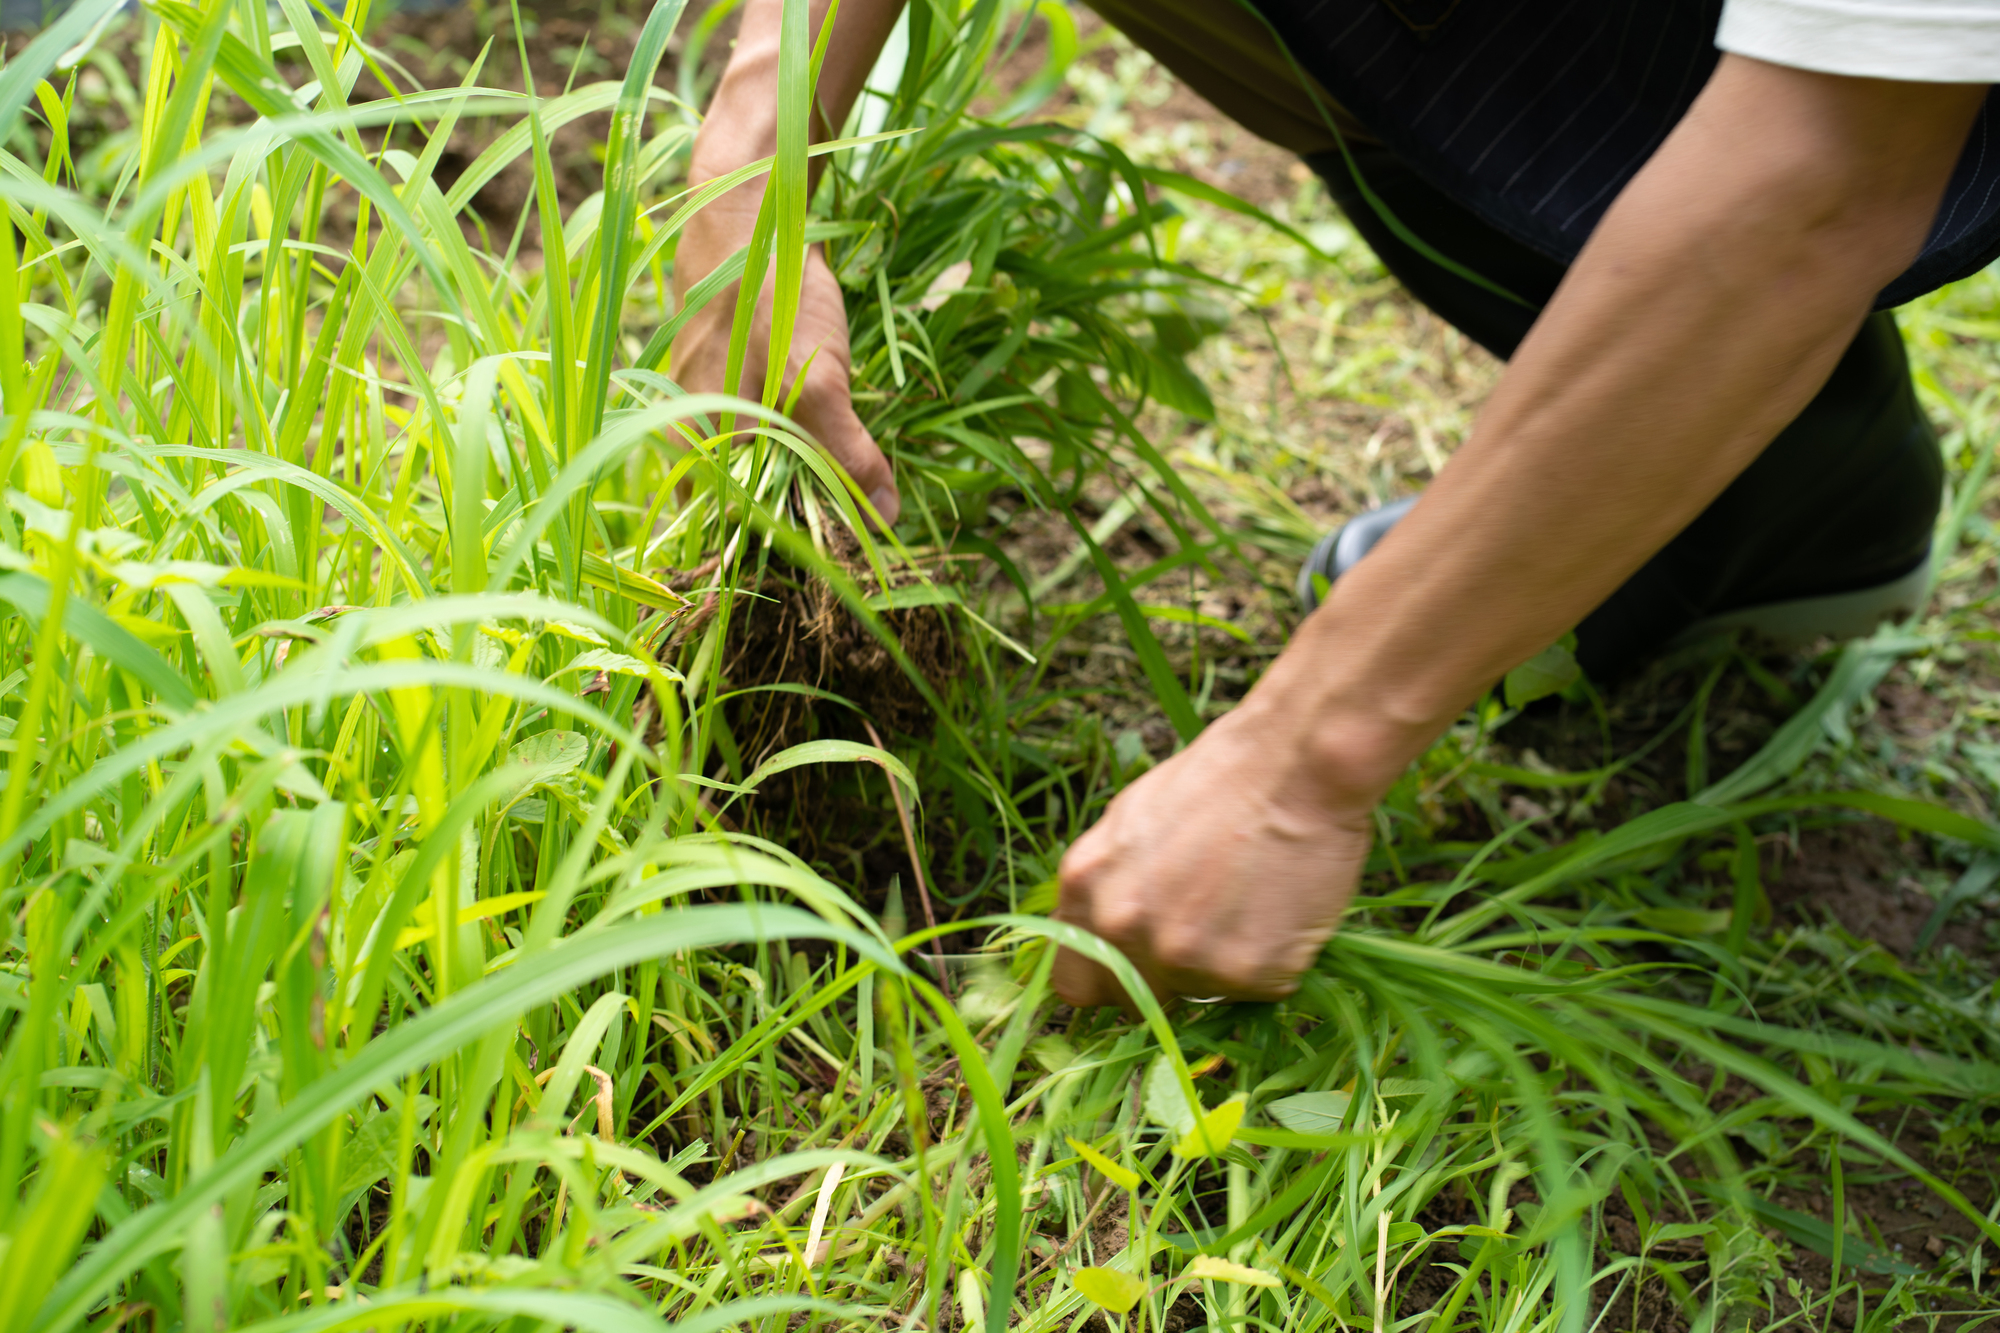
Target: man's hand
1706 310
819 348
740 128
1219 873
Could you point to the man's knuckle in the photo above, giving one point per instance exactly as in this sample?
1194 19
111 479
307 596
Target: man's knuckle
1081 863
1182 948
1117 918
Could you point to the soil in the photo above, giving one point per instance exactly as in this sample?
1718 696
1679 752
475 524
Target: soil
1651 1309
1890 1217
1910 1221
793 629
1854 871
1857 875
567 46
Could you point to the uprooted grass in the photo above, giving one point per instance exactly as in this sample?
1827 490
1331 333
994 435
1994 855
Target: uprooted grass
361 969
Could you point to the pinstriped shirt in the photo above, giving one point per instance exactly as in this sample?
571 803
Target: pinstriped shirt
1535 113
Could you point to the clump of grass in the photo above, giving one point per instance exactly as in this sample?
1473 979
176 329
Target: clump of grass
385 945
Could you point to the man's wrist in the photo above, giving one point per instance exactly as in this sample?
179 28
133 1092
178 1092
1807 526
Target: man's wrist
1341 753
741 124
727 143
1356 718
1355 755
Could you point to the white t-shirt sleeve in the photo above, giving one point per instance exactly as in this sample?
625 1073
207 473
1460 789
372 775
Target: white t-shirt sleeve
1919 41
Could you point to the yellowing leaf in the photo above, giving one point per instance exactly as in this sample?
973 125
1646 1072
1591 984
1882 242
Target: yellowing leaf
150 632
971 1300
1209 1268
41 475
1213 1132
1124 1177
478 911
260 211
581 633
1108 1288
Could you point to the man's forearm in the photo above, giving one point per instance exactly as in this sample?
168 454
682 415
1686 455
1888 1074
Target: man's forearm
1710 305
742 121
741 125
741 128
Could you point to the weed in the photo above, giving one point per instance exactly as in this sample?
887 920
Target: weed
397 936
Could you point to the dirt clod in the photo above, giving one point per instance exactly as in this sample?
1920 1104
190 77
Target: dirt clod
792 628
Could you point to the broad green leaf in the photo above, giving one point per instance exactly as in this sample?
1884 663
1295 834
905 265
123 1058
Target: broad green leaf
1166 1103
916 595
1406 1233
370 1154
833 752
1312 1112
543 758
1403 1087
1551 671
617 664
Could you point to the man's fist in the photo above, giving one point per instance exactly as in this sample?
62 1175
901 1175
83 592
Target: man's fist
819 346
1219 873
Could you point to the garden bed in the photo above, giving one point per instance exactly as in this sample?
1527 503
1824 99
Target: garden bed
685 771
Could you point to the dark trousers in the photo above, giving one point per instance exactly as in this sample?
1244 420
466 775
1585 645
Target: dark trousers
1843 499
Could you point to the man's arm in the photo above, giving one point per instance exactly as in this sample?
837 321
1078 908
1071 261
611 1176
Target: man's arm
742 121
1707 309
741 127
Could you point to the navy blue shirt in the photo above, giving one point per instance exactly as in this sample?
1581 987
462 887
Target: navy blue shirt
1534 113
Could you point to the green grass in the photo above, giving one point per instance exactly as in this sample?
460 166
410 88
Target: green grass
397 939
